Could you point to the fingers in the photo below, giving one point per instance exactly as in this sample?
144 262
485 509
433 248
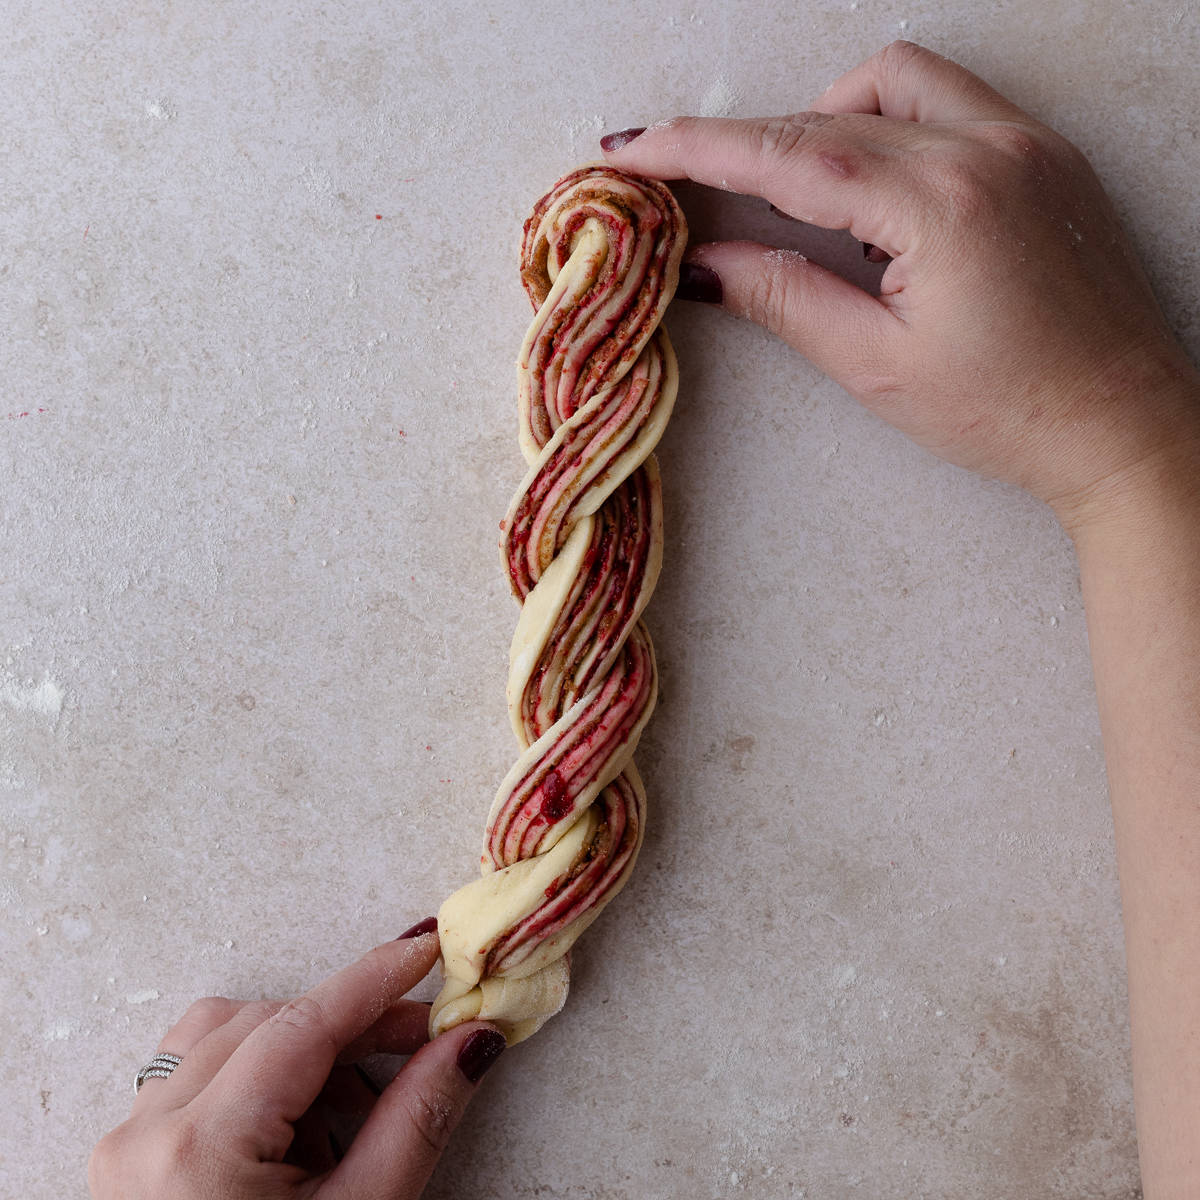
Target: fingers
909 83
193 1027
833 323
212 1052
401 1141
840 172
403 1029
281 1066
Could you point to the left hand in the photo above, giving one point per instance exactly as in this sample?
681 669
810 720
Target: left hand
265 1101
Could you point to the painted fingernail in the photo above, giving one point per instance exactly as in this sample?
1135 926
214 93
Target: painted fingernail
478 1053
614 141
700 283
429 925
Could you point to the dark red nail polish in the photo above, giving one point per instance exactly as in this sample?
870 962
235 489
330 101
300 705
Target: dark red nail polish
429 925
478 1053
614 141
700 283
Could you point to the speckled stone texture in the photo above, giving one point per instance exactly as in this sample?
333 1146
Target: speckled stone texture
259 293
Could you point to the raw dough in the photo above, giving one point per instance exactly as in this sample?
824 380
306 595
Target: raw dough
582 546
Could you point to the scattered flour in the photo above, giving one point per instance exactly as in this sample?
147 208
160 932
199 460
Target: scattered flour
23 700
721 99
44 699
142 997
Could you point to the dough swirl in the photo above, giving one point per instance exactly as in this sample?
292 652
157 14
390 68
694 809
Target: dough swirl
582 545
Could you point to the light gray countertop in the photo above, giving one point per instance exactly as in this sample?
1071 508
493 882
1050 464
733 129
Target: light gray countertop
260 302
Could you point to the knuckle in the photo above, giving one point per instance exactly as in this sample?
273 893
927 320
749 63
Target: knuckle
181 1148
781 137
185 1153
432 1116
210 1010
255 1013
1015 141
160 1156
308 1016
105 1161
1031 150
962 188
896 57
876 380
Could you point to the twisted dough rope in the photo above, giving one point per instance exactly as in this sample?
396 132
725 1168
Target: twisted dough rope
582 546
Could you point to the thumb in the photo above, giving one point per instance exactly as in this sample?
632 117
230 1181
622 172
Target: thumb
403 1138
838 327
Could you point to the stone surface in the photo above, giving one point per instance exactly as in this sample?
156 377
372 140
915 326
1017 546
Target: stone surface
257 278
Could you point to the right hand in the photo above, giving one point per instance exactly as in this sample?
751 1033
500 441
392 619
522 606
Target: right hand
1015 334
248 1113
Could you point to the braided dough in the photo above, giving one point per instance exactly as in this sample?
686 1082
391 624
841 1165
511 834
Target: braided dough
582 546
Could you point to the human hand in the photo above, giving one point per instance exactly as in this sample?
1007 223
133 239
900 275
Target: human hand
246 1113
1015 333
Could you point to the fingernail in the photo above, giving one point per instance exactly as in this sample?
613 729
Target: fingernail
873 254
429 925
478 1053
700 283
614 141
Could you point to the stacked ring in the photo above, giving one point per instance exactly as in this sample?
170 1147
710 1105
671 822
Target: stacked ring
159 1067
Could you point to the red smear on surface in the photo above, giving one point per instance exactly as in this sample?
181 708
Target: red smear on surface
14 416
379 216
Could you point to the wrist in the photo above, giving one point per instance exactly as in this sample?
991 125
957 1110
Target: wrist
1149 473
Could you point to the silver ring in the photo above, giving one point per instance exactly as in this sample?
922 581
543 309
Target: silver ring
159 1067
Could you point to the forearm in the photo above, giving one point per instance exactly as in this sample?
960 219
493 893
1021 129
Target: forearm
1139 557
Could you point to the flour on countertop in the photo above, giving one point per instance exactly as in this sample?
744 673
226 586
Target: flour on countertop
22 703
721 99
44 698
